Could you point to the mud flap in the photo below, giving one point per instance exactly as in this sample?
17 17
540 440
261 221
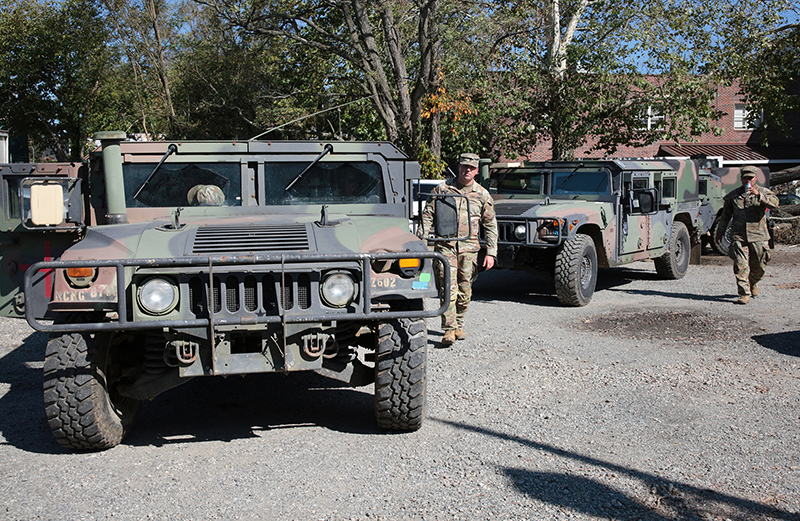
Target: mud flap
695 252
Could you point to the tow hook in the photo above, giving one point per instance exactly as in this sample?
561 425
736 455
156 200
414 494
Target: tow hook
184 351
314 344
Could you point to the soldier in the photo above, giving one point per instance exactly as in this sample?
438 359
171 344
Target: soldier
747 206
463 255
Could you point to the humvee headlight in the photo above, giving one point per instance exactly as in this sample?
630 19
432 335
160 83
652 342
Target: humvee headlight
520 231
81 277
338 289
550 230
158 296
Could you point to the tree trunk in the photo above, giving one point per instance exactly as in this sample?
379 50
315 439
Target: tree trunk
784 176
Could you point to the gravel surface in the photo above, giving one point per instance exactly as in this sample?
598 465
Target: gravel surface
661 400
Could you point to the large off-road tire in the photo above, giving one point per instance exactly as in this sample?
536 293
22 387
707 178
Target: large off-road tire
673 264
83 408
400 361
576 271
721 247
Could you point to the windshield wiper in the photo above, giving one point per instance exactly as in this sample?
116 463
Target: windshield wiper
170 150
328 149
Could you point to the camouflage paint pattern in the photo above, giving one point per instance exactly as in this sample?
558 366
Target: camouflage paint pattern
463 255
346 236
746 215
749 264
609 215
463 272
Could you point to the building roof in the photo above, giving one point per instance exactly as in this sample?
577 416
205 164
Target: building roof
731 152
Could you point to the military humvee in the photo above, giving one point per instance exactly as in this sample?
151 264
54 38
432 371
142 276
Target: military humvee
157 262
561 220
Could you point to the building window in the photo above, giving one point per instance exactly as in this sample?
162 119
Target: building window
741 116
653 119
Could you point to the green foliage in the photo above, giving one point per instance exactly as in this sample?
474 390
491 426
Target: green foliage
766 65
52 58
620 59
439 78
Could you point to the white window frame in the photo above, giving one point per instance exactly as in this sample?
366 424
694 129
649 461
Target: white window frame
654 118
741 116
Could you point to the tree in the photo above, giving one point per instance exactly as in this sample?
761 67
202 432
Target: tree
390 48
52 62
231 84
765 64
146 34
587 71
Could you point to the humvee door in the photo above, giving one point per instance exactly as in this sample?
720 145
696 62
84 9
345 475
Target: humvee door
41 215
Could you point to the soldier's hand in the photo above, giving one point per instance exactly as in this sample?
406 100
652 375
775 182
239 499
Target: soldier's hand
488 262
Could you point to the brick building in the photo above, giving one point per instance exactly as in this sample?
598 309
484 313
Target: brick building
738 144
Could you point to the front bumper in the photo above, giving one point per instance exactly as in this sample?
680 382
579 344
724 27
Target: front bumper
283 265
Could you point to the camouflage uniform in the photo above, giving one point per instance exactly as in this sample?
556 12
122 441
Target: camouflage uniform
750 237
463 255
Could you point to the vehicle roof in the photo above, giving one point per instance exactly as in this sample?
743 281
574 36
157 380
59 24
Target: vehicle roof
612 164
227 147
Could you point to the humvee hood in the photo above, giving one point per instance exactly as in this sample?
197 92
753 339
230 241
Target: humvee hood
246 236
538 209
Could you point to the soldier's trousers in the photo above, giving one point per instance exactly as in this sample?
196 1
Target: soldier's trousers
463 271
749 263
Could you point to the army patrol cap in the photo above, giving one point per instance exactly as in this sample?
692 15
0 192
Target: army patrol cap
749 171
469 160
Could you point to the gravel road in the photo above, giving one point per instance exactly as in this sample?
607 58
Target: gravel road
661 400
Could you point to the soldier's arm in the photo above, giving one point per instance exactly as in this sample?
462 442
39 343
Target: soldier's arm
489 226
768 199
725 216
427 216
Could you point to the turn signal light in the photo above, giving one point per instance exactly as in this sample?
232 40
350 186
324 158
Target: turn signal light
409 263
80 272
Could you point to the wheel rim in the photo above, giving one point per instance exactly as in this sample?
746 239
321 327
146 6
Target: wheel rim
680 250
586 271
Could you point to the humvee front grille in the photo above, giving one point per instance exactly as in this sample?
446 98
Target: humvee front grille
512 209
250 239
250 293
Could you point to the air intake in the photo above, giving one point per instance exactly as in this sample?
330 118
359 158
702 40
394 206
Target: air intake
248 238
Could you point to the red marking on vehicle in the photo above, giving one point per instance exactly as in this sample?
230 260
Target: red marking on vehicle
48 274
48 278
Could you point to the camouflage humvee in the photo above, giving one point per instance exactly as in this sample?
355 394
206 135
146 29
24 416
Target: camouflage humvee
157 262
561 220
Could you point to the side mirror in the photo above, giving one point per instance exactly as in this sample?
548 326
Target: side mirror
647 202
47 204
51 203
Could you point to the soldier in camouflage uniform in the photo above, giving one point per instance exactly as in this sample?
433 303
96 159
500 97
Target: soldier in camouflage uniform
747 207
463 255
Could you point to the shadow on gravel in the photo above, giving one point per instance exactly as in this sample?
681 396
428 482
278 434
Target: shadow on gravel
225 409
668 500
786 343
204 409
579 493
22 419
682 296
524 288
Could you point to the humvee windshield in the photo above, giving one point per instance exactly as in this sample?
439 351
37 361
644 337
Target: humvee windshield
518 182
580 183
219 184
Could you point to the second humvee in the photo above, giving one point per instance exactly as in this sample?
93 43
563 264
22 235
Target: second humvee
563 220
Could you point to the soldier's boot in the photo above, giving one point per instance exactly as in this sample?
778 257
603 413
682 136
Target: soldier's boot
460 335
754 290
449 337
743 299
